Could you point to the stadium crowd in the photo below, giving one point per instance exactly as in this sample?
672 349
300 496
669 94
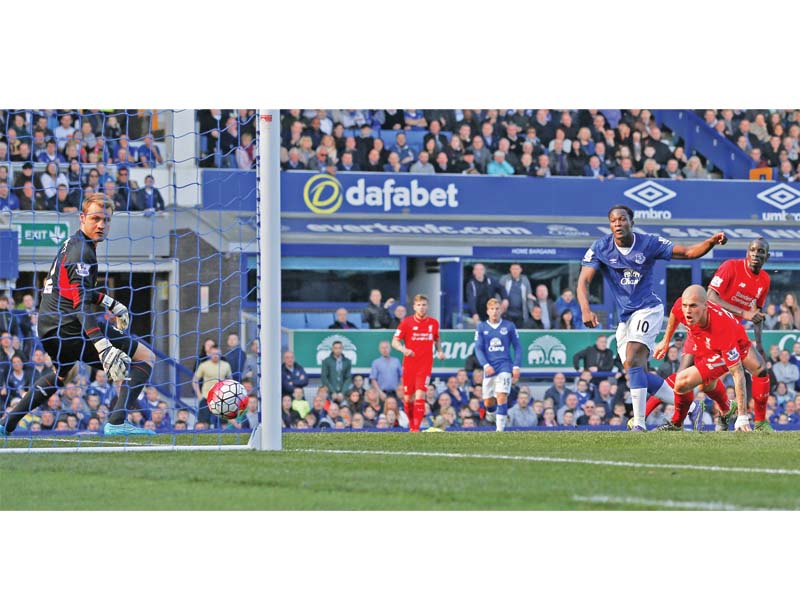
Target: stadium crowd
529 142
50 159
344 399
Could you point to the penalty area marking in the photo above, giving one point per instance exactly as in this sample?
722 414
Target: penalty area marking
554 459
670 504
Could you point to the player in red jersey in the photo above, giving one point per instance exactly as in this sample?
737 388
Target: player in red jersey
415 337
740 286
722 346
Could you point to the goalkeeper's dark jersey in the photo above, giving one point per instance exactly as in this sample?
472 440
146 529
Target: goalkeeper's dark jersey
69 298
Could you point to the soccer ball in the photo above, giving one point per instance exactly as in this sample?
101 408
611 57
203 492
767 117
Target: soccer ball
226 398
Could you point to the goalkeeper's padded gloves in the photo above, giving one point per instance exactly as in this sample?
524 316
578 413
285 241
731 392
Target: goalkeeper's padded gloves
742 423
119 310
116 363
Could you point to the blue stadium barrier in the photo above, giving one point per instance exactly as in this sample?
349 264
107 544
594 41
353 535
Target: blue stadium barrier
724 154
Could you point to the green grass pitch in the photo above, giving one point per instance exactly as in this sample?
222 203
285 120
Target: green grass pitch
575 470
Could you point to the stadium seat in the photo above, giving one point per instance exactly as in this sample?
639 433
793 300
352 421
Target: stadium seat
316 320
293 320
355 319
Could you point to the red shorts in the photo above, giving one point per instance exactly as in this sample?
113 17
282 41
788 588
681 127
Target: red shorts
415 379
711 367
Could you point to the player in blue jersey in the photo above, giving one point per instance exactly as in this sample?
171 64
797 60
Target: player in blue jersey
494 339
626 260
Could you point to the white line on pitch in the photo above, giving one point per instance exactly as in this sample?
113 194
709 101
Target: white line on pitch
555 459
664 503
80 441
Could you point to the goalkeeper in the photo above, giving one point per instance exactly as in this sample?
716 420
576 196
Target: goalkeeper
70 331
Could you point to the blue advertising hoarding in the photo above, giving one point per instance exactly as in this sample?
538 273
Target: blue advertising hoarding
322 195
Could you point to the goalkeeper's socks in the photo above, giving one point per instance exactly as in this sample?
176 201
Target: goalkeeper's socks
720 396
502 415
44 387
419 412
129 393
760 395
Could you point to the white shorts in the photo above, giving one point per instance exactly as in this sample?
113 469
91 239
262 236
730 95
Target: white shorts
643 326
499 383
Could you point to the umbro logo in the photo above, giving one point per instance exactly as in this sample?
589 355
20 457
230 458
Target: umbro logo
650 194
780 196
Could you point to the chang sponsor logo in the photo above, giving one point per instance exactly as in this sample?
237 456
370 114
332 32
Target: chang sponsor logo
546 351
349 349
630 277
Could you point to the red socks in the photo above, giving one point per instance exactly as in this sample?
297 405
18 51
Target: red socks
760 394
419 412
720 396
683 402
408 406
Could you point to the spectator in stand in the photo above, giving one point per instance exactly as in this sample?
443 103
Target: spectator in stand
577 160
8 200
422 165
566 320
480 288
148 155
149 197
499 166
414 119
785 371
650 169
549 315
64 202
64 131
671 170
385 371
375 314
341 321
789 305
567 301
51 179
320 161
504 146
293 375
785 172
481 153
595 168
442 164
289 416
235 356
335 372
625 168
526 166
393 164
694 169
559 164
671 363
398 315
454 150
535 320
439 139
549 418
293 163
209 372
543 166
50 153
29 199
404 152
519 293
374 164
245 153
458 397
346 163
597 357
522 414
558 391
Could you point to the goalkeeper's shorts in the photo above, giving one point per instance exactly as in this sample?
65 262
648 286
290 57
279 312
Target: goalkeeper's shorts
66 349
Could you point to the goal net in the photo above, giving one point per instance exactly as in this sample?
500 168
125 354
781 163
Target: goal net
182 255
